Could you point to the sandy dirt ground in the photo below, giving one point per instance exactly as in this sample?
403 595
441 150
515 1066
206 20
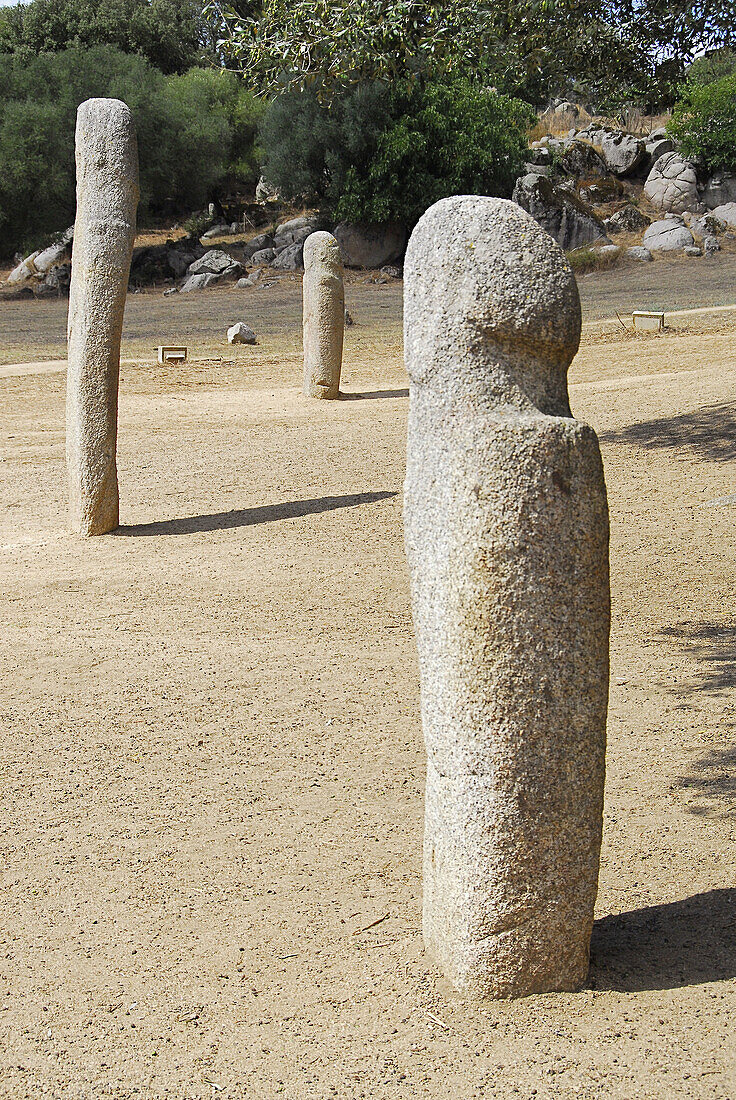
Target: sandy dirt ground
210 749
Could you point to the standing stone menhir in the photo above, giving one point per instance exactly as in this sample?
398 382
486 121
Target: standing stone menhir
324 316
104 232
507 540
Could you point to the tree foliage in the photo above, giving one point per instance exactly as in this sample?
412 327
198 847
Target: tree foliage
193 131
168 33
606 49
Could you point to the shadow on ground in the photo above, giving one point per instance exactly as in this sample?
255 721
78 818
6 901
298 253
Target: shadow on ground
667 946
709 433
248 517
712 646
373 395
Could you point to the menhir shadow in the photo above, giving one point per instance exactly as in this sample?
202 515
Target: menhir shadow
668 946
709 433
372 395
247 517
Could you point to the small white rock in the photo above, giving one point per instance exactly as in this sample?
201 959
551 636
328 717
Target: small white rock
241 334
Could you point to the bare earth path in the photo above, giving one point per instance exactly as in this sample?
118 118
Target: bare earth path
210 750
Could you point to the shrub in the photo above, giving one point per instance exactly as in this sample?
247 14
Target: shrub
377 154
190 130
704 123
712 67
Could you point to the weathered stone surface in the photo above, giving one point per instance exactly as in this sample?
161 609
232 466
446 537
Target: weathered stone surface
265 191
672 185
507 541
216 262
627 220
726 213
59 252
324 316
657 148
283 234
241 333
565 217
623 153
668 235
257 244
221 230
200 282
370 246
719 190
24 271
583 162
104 231
290 258
638 252
540 156
263 257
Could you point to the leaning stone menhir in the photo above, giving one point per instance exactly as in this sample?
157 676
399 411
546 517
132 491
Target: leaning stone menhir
324 316
506 527
104 232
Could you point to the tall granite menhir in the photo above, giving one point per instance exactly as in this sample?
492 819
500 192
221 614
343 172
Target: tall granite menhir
104 231
324 316
507 540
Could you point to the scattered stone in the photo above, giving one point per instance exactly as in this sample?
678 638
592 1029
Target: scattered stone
391 271
294 231
58 279
669 235
241 334
216 231
266 192
170 291
155 263
672 185
257 244
605 190
215 262
324 316
199 282
25 270
58 253
627 220
623 153
290 258
657 148
540 156
720 190
608 250
370 246
710 245
581 161
104 232
565 217
638 252
725 213
692 250
263 258
506 529
707 225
